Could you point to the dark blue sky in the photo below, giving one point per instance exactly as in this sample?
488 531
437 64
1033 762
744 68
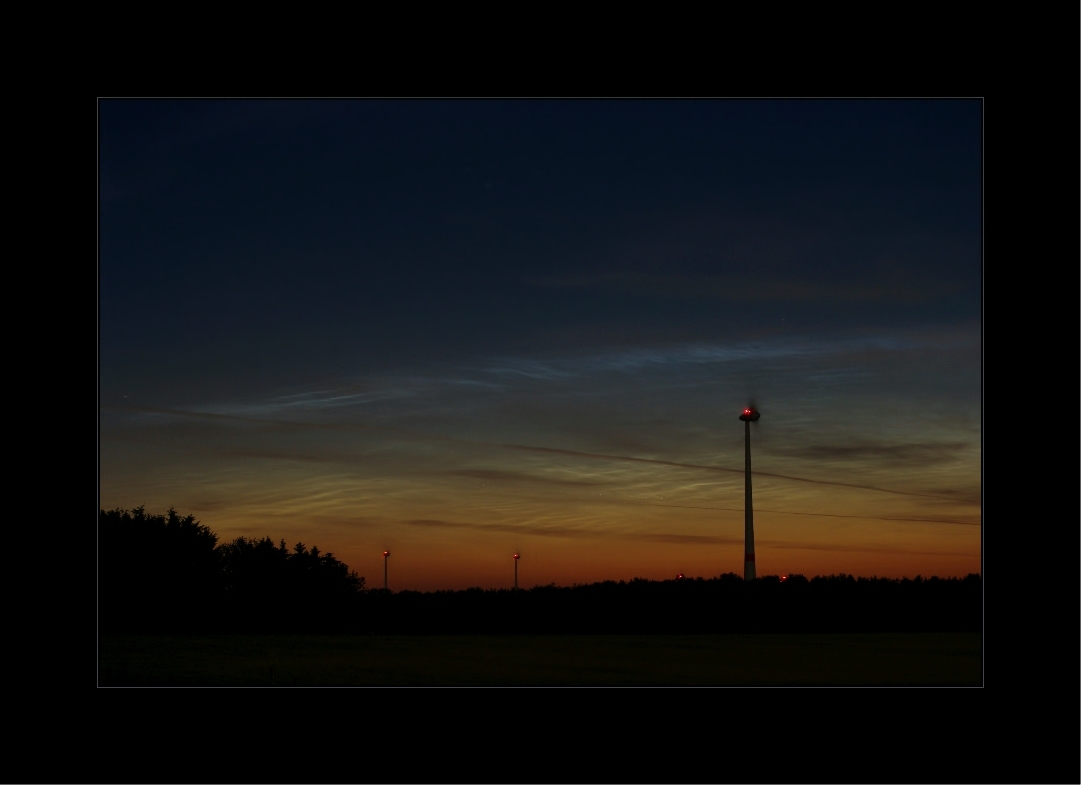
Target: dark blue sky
251 245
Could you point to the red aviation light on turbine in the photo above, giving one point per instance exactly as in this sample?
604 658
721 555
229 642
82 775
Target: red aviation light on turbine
386 554
516 557
749 414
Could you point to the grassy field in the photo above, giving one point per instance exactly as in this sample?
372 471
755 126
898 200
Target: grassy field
933 659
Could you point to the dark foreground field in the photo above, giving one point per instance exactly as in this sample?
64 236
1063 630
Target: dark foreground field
932 659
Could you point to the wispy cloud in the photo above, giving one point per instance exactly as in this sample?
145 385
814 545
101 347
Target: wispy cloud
894 288
627 458
686 539
820 514
522 448
839 548
911 454
669 538
520 477
700 354
545 531
574 533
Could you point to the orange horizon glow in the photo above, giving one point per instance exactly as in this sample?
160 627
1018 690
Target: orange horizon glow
454 534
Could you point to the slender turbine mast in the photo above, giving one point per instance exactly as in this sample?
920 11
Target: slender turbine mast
749 415
386 555
516 557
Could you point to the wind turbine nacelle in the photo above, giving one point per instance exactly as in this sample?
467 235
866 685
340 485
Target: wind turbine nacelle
750 415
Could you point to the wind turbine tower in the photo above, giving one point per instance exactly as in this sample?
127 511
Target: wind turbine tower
516 571
750 414
386 555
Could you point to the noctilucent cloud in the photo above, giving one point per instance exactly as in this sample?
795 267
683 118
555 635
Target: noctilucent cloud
460 329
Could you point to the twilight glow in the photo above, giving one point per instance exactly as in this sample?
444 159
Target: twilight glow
465 331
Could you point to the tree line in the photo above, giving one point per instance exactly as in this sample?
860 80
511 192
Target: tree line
167 573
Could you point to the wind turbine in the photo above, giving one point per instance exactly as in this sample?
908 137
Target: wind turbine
516 557
750 414
386 555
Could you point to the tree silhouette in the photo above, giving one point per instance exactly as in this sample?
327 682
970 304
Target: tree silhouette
156 571
165 572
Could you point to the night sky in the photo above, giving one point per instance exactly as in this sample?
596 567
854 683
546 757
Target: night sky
456 329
